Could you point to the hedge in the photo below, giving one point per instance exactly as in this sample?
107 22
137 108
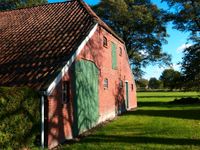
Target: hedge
19 118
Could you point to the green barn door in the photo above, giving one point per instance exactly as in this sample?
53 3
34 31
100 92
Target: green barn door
127 95
86 102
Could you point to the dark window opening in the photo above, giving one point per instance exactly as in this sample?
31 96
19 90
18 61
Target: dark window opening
65 92
105 42
105 83
121 84
120 51
132 87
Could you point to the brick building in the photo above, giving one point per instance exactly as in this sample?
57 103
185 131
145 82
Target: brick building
76 62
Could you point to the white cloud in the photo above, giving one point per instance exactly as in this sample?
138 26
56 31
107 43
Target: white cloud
183 46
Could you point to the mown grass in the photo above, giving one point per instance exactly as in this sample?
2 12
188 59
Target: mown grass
156 124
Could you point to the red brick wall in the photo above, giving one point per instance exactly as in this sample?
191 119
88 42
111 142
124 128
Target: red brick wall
60 116
101 56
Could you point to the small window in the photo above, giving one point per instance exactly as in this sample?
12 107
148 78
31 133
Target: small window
121 84
65 92
132 87
105 83
120 51
105 42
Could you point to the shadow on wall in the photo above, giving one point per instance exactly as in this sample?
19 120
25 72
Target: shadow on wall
86 101
55 118
120 106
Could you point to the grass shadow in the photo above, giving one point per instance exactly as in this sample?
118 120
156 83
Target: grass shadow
166 96
139 139
135 139
164 104
183 114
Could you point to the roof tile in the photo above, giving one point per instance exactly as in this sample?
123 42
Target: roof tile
35 43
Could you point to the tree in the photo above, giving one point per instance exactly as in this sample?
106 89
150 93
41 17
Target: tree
154 83
142 83
171 79
13 4
186 16
141 25
191 67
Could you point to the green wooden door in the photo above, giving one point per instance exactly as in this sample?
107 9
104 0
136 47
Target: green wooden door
86 102
127 95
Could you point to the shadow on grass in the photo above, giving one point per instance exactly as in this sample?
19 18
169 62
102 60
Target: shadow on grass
166 96
183 114
138 139
164 104
153 104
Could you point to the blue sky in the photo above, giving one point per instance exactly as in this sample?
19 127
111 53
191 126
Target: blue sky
176 43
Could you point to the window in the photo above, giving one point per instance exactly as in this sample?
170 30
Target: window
105 83
121 84
65 91
105 42
132 87
120 51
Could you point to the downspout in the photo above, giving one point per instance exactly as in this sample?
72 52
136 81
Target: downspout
42 121
42 110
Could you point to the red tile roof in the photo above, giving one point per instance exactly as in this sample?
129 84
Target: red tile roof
35 43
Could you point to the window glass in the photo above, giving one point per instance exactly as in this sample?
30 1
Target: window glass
121 84
132 87
105 83
65 91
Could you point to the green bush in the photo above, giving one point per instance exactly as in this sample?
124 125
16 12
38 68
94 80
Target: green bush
19 117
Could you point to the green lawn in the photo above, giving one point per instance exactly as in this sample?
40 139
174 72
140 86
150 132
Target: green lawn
156 124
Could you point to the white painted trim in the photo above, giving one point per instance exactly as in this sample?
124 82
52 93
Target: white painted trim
42 121
69 63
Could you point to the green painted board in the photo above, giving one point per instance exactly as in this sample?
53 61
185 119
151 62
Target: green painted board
114 56
86 102
127 97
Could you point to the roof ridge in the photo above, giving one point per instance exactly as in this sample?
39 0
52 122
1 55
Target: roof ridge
98 19
40 5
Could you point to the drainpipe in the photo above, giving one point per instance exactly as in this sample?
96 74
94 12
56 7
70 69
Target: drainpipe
42 109
42 121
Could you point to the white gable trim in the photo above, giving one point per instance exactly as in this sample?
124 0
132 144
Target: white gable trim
69 63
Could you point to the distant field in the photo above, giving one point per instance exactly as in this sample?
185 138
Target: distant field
156 124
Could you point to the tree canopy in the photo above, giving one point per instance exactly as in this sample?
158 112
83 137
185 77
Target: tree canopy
142 83
13 4
154 83
191 67
141 25
171 79
185 15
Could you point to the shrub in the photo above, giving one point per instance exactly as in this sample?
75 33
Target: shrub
19 117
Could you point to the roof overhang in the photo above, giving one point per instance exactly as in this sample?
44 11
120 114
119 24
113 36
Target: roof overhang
64 70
